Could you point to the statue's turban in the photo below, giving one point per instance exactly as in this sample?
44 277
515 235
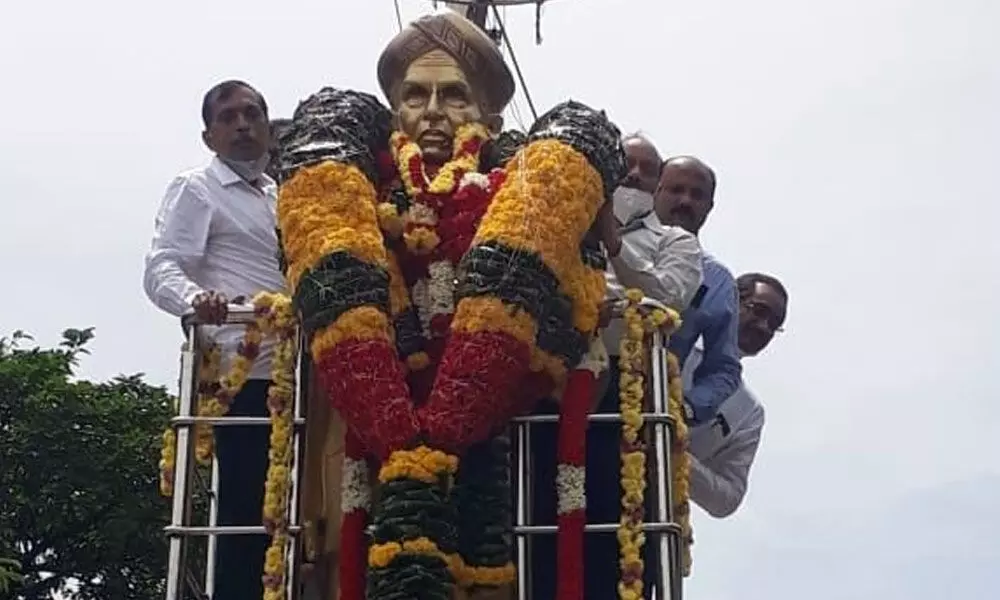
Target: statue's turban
472 49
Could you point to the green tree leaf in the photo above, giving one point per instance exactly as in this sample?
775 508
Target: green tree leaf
79 477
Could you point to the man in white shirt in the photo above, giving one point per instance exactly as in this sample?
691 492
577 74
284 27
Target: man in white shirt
723 449
665 263
215 241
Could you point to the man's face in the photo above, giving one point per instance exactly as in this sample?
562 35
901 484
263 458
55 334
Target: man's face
434 100
239 129
643 165
762 314
684 194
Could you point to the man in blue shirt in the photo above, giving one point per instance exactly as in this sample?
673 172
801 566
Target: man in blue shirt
684 198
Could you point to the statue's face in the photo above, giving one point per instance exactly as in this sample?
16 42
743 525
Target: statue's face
434 99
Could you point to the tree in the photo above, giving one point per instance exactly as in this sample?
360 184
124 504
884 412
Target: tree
79 477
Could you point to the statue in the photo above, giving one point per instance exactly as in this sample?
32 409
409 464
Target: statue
446 276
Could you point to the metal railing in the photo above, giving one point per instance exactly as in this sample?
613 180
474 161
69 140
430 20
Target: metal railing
661 529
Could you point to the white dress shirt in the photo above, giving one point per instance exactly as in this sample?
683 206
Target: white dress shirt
662 261
215 232
723 449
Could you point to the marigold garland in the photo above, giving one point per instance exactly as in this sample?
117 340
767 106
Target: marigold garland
633 451
274 315
515 307
632 363
215 397
208 405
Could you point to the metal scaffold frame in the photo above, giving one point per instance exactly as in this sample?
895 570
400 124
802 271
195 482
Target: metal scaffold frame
661 530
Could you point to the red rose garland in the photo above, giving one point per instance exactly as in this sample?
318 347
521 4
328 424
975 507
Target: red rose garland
571 472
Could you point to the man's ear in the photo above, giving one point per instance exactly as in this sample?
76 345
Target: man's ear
206 137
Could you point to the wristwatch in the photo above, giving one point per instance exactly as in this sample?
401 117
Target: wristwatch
688 412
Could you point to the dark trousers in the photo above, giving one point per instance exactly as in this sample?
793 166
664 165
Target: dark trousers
242 455
601 559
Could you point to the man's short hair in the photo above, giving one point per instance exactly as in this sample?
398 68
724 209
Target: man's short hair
712 180
745 284
221 91
642 136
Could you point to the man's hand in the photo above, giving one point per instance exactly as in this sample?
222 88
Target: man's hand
605 314
211 307
607 228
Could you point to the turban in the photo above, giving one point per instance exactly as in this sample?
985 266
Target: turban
476 54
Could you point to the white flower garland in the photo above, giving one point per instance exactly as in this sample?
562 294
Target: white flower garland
356 491
434 296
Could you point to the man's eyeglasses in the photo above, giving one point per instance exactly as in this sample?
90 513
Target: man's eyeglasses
763 313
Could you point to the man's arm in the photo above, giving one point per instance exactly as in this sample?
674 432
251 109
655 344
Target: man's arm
671 277
719 484
179 242
718 375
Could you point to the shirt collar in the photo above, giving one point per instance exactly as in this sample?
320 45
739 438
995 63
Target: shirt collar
223 173
228 177
646 219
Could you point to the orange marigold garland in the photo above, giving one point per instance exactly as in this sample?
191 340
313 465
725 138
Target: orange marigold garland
525 302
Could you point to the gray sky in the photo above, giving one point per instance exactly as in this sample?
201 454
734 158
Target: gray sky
854 142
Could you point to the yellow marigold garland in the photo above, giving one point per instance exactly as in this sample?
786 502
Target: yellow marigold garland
565 217
632 362
420 220
275 316
208 404
337 200
429 466
680 461
217 406
633 454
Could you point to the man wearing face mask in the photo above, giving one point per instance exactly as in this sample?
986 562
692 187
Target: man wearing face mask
722 450
684 197
665 263
214 242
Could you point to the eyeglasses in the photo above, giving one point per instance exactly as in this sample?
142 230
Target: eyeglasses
763 313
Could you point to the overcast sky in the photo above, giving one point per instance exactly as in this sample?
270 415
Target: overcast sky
854 141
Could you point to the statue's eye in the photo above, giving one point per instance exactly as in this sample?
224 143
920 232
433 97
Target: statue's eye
414 95
455 94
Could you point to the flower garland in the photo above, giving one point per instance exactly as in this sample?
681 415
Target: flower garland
633 451
445 212
681 462
519 294
273 315
208 406
571 498
631 538
355 504
214 399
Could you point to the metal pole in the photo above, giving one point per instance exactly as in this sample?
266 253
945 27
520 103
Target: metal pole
666 588
180 509
298 440
476 12
213 520
522 431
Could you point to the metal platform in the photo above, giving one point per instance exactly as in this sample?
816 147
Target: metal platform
190 576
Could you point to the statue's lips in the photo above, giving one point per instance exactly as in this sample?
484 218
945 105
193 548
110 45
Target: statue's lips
434 138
